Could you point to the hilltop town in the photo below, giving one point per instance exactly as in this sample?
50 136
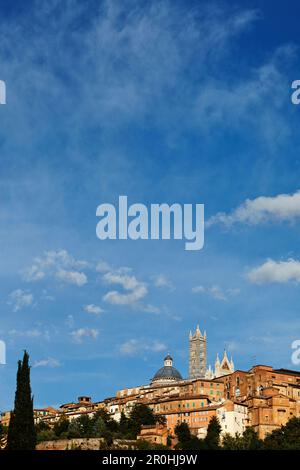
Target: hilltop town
263 398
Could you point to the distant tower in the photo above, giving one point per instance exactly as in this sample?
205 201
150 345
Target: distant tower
197 364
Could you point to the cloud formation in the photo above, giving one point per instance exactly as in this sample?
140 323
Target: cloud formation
32 333
58 265
91 308
72 277
135 346
20 299
134 290
280 208
79 335
275 271
215 291
161 281
50 362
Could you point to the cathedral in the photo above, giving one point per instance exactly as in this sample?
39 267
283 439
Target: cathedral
197 360
197 363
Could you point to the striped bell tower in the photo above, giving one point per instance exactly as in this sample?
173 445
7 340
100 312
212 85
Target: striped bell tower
197 350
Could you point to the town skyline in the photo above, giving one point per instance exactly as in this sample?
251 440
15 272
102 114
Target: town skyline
185 102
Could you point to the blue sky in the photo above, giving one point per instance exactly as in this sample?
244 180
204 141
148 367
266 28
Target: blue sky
184 102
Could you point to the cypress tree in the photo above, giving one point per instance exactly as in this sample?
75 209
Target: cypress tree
21 431
212 439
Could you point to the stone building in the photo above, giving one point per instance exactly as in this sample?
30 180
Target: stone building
197 351
155 434
272 395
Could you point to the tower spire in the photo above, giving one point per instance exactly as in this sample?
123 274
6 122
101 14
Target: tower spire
197 349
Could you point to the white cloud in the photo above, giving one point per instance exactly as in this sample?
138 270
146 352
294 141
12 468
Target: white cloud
33 273
134 346
148 308
72 277
50 362
91 308
161 281
81 333
136 289
215 291
280 208
103 267
31 333
19 299
275 271
56 264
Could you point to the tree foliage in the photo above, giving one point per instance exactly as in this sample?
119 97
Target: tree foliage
212 438
287 437
21 431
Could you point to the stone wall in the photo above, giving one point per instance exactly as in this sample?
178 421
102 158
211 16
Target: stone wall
94 443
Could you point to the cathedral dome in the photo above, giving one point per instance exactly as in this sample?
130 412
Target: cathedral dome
167 373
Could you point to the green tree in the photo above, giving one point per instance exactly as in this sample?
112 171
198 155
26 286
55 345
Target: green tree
108 437
98 426
247 441
85 425
42 426
286 438
124 424
250 440
61 427
187 441
109 422
231 442
183 433
140 415
212 438
21 431
46 435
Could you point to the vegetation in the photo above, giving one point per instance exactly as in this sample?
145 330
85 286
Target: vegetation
285 438
100 425
21 430
187 441
247 441
212 438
